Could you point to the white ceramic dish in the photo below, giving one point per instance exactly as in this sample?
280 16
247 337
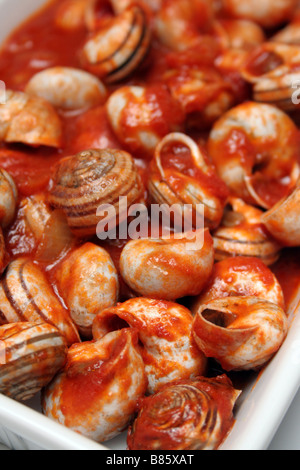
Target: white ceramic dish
261 407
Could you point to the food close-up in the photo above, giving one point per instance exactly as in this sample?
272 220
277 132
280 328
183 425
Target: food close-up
149 213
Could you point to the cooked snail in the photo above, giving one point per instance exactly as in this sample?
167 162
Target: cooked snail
170 267
115 50
283 220
83 184
26 295
88 282
31 353
241 333
241 233
187 178
185 415
96 393
141 116
67 88
8 198
273 69
255 150
243 276
203 93
164 330
29 120
179 24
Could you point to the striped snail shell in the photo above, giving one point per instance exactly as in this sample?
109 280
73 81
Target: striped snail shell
119 47
26 295
31 353
272 69
185 415
94 178
241 234
241 333
8 198
201 189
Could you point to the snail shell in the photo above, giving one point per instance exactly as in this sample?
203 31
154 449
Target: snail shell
201 189
241 233
283 220
119 47
92 179
8 198
88 282
165 331
29 120
186 415
242 333
255 151
168 268
67 88
245 276
26 295
272 69
31 354
141 116
96 393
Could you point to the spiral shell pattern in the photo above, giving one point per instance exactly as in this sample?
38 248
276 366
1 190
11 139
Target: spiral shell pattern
241 233
26 295
242 333
31 353
185 415
118 48
93 179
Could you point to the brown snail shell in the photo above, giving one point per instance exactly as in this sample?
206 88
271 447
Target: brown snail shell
83 183
26 295
31 353
272 69
185 415
118 48
241 233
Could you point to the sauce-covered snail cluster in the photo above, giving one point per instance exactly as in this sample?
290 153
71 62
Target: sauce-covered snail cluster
125 319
